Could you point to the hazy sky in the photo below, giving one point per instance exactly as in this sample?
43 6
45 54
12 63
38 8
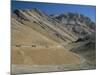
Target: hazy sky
52 8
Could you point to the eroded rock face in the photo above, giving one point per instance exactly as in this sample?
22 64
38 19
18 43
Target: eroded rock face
76 23
40 39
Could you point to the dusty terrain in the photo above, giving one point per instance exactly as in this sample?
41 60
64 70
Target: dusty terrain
43 56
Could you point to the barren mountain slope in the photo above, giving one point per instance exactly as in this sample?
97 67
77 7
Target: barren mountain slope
27 44
44 25
85 29
42 40
78 24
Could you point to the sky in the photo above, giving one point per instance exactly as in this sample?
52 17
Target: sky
56 8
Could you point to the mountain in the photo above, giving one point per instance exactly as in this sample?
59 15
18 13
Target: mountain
40 39
85 29
77 23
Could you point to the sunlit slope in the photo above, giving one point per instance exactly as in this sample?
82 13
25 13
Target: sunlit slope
36 40
45 25
43 56
24 35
